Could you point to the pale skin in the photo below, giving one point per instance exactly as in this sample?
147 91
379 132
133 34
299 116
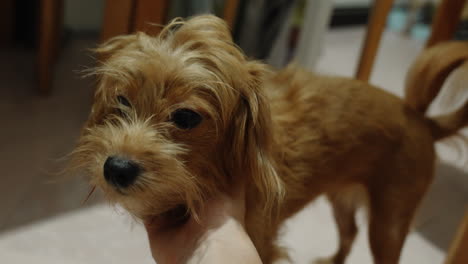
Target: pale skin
218 236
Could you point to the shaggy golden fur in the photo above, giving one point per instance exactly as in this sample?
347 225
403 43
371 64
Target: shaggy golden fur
292 135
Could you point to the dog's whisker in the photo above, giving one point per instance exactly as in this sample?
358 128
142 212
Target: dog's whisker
91 191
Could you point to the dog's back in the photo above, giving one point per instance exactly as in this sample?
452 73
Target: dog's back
325 121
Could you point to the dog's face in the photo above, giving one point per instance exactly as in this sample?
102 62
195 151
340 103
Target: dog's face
176 118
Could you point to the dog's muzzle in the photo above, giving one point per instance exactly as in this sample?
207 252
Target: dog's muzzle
120 172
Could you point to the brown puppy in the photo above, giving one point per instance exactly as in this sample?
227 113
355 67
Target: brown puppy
178 117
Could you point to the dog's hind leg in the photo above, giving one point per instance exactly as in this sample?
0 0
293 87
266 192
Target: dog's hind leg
391 214
344 213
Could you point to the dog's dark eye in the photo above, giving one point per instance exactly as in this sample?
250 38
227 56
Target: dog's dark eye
186 118
119 110
123 101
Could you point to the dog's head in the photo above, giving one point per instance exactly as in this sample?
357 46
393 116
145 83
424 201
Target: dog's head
177 118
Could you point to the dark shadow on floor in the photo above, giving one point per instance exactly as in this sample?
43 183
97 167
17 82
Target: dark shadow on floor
36 131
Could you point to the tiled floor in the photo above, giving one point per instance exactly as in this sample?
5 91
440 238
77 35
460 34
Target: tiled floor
43 221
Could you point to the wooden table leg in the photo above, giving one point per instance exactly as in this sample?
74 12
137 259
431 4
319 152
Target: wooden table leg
149 12
446 21
375 27
118 18
458 253
49 32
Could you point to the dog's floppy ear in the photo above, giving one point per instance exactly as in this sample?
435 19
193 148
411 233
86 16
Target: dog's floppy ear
252 139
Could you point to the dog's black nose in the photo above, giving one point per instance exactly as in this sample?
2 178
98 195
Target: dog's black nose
120 172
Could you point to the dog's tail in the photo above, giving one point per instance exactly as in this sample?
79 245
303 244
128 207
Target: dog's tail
427 76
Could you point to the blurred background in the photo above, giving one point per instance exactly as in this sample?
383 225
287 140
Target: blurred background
44 44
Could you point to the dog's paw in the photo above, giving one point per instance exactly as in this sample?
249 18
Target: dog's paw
328 260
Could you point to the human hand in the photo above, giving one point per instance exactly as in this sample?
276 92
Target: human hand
217 236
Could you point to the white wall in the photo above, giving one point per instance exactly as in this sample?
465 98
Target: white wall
347 3
83 15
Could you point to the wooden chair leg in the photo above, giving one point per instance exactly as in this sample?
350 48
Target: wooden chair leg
375 28
458 253
118 18
149 12
446 21
50 26
230 12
